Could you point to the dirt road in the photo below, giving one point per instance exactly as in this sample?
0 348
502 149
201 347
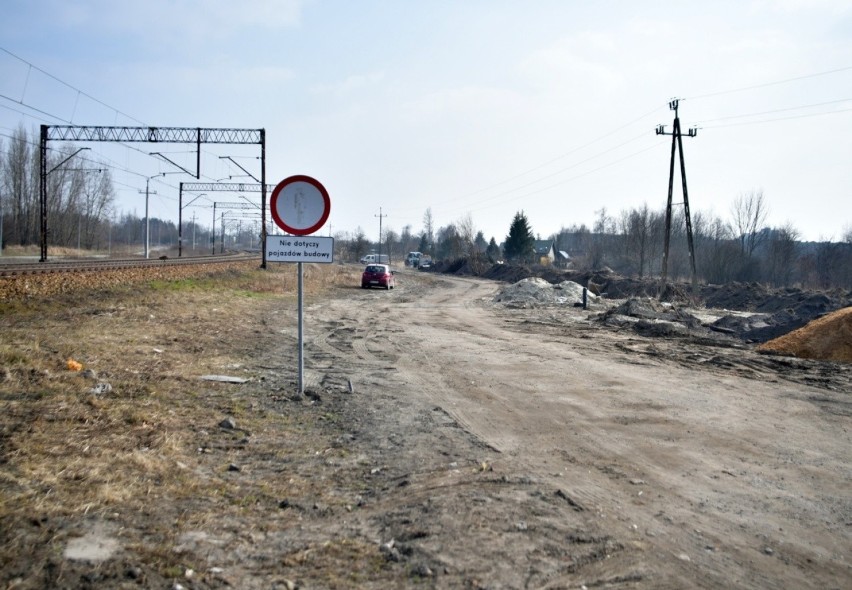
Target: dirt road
536 449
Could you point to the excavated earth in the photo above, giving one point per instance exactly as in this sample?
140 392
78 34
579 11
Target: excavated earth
459 442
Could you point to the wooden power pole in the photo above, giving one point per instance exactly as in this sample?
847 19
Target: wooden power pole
677 145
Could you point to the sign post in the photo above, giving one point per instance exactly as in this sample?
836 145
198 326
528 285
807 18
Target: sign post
300 205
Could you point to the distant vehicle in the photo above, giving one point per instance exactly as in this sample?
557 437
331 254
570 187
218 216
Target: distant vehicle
377 275
424 262
413 259
375 258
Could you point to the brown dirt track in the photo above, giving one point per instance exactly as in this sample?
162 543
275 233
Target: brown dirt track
482 447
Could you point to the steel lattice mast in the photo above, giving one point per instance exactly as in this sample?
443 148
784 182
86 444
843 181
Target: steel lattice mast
196 135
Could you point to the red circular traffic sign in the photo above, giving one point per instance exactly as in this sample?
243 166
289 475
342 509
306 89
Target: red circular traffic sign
300 205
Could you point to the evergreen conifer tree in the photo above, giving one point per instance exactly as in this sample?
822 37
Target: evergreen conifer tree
520 243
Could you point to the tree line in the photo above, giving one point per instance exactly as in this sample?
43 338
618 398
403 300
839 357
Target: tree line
80 203
740 248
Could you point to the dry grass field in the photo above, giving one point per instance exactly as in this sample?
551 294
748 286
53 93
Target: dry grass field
129 457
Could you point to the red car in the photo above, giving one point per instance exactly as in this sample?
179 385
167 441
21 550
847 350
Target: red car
377 275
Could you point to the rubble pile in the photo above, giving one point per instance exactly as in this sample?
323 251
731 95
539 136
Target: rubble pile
534 291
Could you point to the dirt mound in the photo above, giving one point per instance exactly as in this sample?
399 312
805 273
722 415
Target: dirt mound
535 291
828 338
649 317
760 327
509 273
739 296
472 266
759 298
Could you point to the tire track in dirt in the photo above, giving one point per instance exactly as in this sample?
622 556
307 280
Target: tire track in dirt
601 448
655 453
369 348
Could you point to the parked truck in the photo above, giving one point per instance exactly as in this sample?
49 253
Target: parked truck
413 259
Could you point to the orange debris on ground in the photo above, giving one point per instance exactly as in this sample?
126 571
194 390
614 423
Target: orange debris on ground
828 338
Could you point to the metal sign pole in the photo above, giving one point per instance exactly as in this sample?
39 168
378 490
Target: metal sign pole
301 336
300 206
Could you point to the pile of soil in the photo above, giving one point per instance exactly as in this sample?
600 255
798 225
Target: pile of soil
650 317
760 327
534 291
828 338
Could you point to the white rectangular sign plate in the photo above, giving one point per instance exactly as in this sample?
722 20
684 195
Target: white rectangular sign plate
299 249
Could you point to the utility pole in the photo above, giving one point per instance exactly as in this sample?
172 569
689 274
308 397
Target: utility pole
380 216
213 231
147 220
193 231
677 143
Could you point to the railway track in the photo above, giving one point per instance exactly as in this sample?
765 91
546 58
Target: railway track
25 280
105 264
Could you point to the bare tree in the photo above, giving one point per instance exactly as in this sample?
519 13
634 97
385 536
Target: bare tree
781 255
639 236
407 241
718 252
749 212
359 243
466 233
448 243
20 193
392 244
429 227
603 231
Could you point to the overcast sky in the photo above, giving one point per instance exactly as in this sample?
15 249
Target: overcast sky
480 107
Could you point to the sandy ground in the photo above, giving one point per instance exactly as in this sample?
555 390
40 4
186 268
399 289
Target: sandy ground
608 460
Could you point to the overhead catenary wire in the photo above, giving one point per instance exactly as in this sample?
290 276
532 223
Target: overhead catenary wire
74 88
79 93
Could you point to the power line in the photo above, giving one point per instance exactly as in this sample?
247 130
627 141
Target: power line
565 181
766 84
551 161
805 106
791 117
558 172
23 113
565 155
643 116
